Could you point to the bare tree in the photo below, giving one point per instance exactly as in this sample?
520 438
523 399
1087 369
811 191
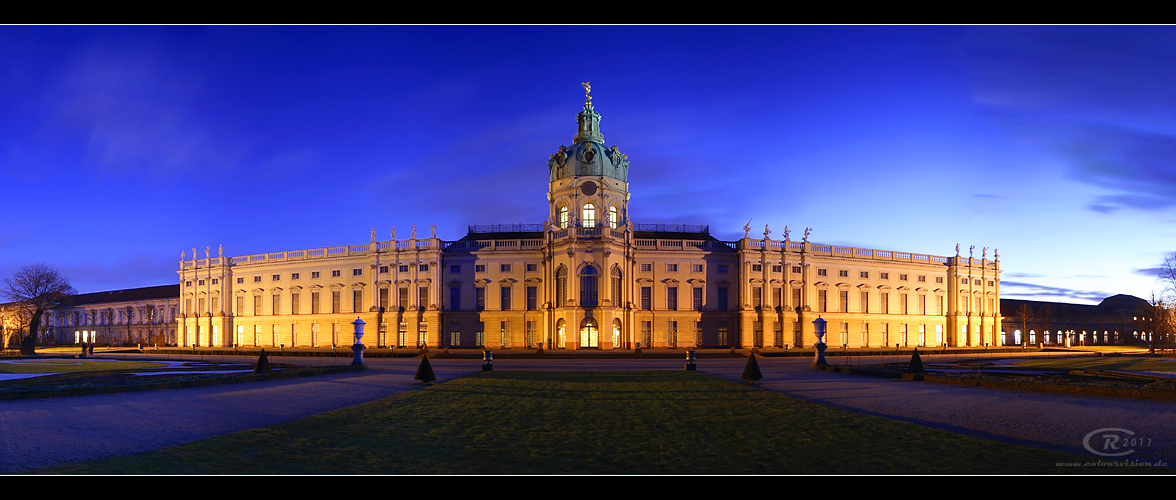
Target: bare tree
1158 318
1046 312
1024 313
40 288
1167 277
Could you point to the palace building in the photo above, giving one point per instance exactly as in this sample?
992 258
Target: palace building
589 278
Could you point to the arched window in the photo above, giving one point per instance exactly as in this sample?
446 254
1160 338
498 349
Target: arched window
588 286
612 217
589 215
561 286
616 286
563 216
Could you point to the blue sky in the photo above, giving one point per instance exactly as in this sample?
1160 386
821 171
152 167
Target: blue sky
120 146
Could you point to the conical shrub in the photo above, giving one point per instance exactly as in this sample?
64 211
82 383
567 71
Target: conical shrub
263 364
916 365
751 371
425 371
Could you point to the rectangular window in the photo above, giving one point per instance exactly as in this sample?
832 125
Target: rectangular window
722 268
991 283
479 299
480 335
939 279
505 298
424 268
822 303
336 301
240 305
454 269
384 269
357 301
671 268
256 279
672 298
403 269
532 268
257 305
646 268
902 304
385 298
240 281
883 276
187 283
722 298
479 268
314 274
822 272
646 333
795 269
424 297
357 272
277 305
532 298
843 297
504 332
885 296
757 268
454 334
777 269
864 275
922 304
293 276
294 309
697 298
504 268
757 295
532 331
976 282
454 298
922 279
200 283
696 268
842 274
777 298
336 273
795 298
939 304
963 281
402 295
199 310
864 302
646 298
215 281
276 277
902 277
314 302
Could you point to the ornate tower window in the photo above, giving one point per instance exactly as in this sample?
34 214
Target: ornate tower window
563 216
612 217
589 215
588 286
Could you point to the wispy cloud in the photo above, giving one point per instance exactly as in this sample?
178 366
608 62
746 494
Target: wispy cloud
1021 290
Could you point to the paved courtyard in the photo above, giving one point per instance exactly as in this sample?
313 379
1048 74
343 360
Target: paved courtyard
58 430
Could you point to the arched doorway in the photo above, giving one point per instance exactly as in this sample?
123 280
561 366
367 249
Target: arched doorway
560 339
589 334
616 336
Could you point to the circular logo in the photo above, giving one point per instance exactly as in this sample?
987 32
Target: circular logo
1109 442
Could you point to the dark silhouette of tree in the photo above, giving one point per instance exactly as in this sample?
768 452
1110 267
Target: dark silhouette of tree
1046 312
1024 313
751 371
38 288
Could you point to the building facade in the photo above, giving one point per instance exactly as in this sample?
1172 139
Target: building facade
135 316
589 278
1117 320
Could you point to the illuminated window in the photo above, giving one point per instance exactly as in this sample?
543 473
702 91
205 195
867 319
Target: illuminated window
589 215
612 217
563 217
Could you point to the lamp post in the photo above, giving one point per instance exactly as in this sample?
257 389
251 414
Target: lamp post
819 329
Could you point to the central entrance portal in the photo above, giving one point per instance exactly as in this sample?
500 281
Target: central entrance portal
589 334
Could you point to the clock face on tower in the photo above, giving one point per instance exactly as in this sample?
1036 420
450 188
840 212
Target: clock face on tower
588 188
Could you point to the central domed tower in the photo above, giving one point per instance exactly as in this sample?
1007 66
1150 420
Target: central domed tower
589 182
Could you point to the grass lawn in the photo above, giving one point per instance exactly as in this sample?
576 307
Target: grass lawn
1117 363
72 365
662 422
